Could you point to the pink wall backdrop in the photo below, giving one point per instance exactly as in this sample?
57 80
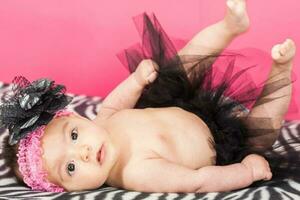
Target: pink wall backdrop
75 41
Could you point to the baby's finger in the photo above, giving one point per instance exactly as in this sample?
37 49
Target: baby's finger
268 176
152 77
155 65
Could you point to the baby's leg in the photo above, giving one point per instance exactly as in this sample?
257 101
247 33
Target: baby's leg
213 39
282 55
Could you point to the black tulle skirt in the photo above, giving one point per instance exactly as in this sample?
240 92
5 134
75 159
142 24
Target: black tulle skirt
217 88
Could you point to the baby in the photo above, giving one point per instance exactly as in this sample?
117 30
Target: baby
152 149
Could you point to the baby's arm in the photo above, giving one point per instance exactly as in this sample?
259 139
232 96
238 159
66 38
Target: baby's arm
225 178
126 94
160 175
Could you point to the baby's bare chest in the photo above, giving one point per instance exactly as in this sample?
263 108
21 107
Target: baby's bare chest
169 133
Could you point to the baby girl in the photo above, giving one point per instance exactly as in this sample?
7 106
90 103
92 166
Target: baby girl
163 129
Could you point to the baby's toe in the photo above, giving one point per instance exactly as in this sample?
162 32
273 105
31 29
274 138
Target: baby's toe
236 6
284 52
288 45
276 52
283 49
230 4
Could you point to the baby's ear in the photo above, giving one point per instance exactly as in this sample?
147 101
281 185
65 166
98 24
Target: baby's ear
18 173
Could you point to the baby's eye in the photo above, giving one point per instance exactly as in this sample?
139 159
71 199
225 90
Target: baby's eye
74 134
71 168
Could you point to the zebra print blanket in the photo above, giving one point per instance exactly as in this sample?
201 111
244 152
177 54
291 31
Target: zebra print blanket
87 106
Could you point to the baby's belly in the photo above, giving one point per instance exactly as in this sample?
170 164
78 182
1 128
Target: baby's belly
170 133
185 140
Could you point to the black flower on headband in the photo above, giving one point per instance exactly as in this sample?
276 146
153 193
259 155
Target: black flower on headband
30 106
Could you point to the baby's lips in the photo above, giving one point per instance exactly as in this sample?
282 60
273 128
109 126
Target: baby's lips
100 151
98 154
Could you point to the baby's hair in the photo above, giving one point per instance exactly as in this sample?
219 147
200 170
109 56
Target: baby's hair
9 154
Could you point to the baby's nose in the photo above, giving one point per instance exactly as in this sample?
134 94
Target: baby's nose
85 152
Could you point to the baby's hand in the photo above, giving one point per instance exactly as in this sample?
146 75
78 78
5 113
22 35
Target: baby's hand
259 167
146 72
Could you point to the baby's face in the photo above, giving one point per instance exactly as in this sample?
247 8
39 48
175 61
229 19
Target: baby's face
70 153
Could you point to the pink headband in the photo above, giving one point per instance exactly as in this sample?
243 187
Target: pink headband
30 161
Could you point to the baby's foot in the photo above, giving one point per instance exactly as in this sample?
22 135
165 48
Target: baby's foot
284 53
236 18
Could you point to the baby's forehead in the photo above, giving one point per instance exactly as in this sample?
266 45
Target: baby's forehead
57 125
63 119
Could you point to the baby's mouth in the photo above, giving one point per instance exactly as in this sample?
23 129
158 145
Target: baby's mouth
100 154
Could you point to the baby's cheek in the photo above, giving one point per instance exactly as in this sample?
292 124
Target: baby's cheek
84 182
92 177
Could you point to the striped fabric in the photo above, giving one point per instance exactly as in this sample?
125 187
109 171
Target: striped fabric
87 106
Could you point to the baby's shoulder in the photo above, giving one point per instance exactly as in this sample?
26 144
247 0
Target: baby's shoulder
106 114
127 114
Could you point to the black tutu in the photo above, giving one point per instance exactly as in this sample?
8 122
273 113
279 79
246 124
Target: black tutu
221 96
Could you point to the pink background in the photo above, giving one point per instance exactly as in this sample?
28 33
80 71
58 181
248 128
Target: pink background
75 42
